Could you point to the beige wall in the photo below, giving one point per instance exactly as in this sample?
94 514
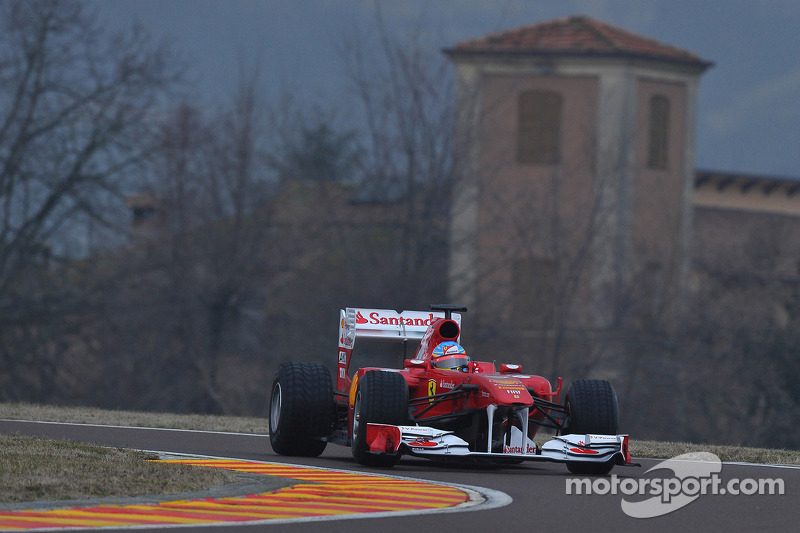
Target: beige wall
531 211
657 196
746 226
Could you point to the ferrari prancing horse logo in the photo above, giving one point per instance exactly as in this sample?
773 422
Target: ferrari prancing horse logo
431 388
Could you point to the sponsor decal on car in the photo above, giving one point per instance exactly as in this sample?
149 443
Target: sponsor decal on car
600 437
423 444
346 342
519 449
376 318
585 451
447 384
342 364
353 389
431 388
506 381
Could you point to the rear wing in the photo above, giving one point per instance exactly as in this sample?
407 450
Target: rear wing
380 324
386 324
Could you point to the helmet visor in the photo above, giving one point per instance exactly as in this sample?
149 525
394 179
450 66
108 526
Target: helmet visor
451 362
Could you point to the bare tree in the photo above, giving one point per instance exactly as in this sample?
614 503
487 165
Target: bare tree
201 278
403 92
740 335
75 104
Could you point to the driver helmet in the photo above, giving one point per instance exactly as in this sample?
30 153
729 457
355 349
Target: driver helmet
449 355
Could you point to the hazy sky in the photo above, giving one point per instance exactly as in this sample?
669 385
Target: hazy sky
749 107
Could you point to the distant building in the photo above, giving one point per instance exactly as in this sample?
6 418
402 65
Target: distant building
745 233
576 146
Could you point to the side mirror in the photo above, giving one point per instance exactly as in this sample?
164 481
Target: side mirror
477 367
507 368
415 363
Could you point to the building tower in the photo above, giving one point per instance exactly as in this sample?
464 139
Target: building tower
575 147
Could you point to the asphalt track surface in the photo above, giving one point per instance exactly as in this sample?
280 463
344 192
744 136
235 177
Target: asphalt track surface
537 491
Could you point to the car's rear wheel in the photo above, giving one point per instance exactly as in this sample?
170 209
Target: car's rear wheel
381 397
301 411
591 407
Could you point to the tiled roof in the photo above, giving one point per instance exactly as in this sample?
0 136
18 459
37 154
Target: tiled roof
575 36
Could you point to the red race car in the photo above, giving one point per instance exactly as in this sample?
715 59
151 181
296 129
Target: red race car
441 405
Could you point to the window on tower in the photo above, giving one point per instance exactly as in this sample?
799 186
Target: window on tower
658 147
539 133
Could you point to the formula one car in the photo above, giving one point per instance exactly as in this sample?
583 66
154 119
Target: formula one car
441 405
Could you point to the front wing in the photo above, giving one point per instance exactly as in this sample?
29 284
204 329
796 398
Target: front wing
435 443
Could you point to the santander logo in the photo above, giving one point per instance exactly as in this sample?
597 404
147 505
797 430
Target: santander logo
377 318
528 449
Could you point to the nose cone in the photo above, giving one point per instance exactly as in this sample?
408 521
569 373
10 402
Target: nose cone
507 390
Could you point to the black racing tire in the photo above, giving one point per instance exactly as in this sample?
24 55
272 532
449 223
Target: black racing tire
301 411
591 407
381 397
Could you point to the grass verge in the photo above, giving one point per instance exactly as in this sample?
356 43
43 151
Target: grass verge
36 469
735 454
91 415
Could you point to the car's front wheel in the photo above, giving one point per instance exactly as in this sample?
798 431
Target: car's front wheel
301 411
591 407
381 397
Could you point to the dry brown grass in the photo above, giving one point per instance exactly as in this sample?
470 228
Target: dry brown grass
91 415
34 469
665 450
